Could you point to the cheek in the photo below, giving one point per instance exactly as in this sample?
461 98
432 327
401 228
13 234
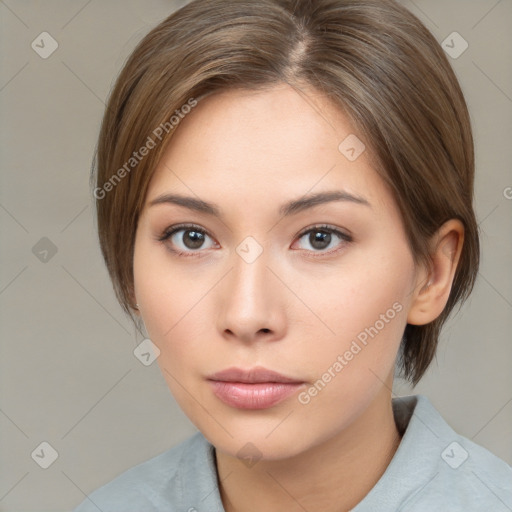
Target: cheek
351 366
160 289
365 307
172 314
171 309
366 332
172 303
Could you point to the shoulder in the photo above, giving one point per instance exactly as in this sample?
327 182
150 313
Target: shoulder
152 485
468 478
435 468
463 476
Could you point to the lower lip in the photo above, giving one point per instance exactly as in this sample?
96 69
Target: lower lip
261 395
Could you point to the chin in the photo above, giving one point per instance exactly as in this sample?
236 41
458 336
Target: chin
264 439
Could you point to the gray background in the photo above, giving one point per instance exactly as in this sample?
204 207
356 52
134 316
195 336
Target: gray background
68 374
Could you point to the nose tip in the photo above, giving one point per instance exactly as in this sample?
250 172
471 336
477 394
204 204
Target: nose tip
249 301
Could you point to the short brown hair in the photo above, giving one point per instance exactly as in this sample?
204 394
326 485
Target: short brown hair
372 58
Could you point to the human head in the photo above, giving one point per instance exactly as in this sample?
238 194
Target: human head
372 58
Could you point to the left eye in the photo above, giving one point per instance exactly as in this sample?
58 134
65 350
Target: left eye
321 238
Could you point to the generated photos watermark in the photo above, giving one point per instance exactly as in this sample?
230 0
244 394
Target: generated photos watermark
343 360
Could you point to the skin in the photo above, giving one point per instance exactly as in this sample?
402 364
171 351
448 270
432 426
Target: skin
296 307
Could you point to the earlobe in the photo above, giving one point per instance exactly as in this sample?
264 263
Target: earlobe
432 292
134 305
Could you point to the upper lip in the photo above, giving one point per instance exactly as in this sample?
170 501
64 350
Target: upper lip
252 375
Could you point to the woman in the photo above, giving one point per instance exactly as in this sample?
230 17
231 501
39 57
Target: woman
284 195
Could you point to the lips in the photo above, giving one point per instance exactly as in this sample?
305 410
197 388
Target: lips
251 376
256 388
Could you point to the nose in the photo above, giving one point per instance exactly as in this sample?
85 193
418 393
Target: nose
250 302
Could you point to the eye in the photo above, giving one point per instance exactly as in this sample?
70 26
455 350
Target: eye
323 238
185 239
189 239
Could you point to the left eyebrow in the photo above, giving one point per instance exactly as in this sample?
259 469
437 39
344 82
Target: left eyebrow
312 200
292 207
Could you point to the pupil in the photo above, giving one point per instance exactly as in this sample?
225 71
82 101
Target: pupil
196 239
323 238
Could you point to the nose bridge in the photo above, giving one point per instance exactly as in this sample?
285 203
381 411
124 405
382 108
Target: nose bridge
250 276
250 299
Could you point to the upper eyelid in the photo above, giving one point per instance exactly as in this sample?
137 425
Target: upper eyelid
319 227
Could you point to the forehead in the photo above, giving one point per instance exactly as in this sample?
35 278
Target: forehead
263 147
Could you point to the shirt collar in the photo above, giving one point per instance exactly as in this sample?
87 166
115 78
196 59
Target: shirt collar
415 417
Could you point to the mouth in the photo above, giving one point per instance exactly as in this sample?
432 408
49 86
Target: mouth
255 375
256 388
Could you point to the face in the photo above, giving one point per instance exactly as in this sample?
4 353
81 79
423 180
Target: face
317 292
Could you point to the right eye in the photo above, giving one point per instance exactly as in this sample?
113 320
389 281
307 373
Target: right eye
184 239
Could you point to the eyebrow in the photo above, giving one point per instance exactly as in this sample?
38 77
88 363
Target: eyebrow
290 208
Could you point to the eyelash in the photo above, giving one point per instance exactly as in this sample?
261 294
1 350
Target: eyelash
169 232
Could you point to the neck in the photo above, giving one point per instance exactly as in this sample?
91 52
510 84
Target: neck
333 476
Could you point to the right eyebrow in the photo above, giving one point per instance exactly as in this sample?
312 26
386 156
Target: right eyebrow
189 202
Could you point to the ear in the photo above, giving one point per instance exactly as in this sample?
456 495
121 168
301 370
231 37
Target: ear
432 288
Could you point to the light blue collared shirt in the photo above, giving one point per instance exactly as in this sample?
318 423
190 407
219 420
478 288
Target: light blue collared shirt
434 469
